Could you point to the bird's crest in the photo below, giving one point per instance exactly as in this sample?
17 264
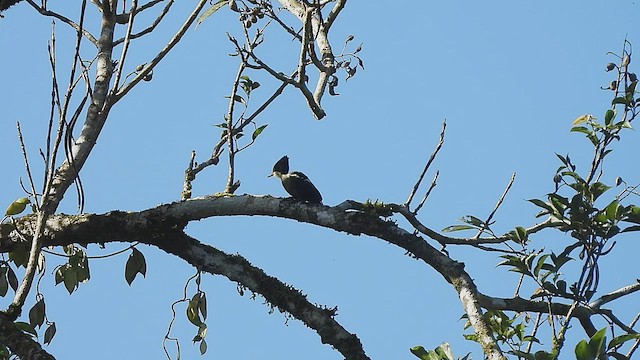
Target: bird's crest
282 166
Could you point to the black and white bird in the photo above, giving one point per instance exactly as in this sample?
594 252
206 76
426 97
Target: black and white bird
296 183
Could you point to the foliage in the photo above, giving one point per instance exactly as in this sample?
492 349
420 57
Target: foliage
580 205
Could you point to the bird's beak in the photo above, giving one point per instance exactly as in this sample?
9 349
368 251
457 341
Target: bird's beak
270 175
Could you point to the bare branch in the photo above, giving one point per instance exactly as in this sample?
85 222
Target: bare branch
117 226
446 240
493 212
328 68
426 167
26 165
64 19
606 298
334 13
270 13
151 27
189 176
426 195
149 66
125 46
231 186
218 148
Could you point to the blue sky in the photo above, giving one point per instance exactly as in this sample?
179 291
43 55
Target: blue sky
509 77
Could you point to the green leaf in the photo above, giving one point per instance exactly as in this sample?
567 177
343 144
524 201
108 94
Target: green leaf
238 98
611 210
581 119
192 313
472 220
453 228
444 350
519 235
560 260
581 129
609 116
598 189
523 355
542 204
471 337
49 333
561 285
210 11
36 314
4 284
136 264
583 352
17 206
6 229
422 354
597 342
20 256
539 265
517 264
258 131
203 347
26 328
202 306
12 278
619 100
543 355
619 340
70 279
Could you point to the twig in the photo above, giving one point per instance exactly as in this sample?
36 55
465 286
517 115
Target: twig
63 115
559 339
493 212
189 176
534 331
424 171
306 36
64 19
596 304
426 195
230 186
172 42
26 165
413 220
636 343
55 101
334 13
271 14
615 321
125 46
328 68
217 150
151 27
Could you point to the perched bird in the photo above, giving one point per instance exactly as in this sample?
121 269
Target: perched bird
296 183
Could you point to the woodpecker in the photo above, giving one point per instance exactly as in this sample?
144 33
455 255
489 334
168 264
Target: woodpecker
296 183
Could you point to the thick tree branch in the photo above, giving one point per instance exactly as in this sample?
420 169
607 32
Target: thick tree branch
119 226
95 118
285 297
19 342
